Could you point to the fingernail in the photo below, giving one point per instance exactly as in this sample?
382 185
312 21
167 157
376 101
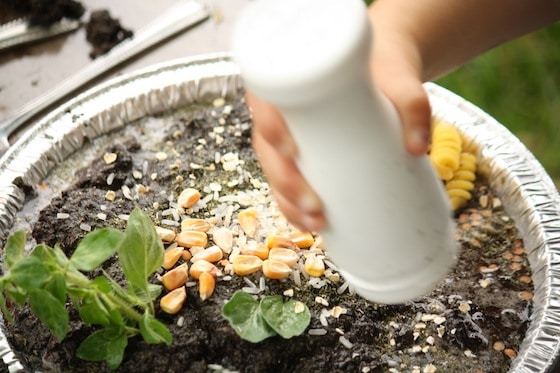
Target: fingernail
418 139
309 202
311 223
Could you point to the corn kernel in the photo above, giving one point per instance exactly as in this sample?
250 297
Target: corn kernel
171 256
281 254
314 266
188 197
246 264
223 237
201 266
257 249
303 240
172 302
275 269
186 255
212 254
166 235
193 224
192 238
176 277
248 221
281 241
206 285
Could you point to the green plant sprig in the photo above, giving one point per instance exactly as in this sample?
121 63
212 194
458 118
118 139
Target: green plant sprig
47 279
255 321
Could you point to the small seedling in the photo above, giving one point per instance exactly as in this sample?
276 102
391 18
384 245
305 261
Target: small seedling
48 279
255 321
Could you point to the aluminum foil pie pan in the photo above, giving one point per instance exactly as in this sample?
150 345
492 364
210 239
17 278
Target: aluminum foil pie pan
527 192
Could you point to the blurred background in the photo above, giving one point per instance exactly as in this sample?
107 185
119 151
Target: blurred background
518 84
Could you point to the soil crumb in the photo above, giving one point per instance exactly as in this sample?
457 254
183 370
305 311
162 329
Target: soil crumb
104 32
45 12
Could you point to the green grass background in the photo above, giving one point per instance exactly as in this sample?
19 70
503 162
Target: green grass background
518 83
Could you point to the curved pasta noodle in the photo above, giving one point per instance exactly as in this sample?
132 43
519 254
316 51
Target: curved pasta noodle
445 150
461 184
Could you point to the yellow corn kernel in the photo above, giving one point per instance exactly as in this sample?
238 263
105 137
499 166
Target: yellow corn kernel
223 237
188 197
201 266
193 224
303 240
176 277
211 254
257 249
244 265
281 254
186 255
206 285
248 221
314 266
166 235
172 302
281 241
275 269
171 256
192 238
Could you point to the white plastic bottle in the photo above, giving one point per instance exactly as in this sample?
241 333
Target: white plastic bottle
390 229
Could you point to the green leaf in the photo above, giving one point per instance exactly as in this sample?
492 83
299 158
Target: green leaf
94 312
50 311
60 256
288 319
56 285
126 296
244 315
96 247
15 248
5 312
102 284
154 291
16 294
141 253
29 273
105 344
154 331
44 253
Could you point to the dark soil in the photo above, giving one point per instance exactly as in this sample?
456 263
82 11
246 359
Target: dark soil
104 32
45 12
468 324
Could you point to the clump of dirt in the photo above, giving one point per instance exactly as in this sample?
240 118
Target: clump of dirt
45 12
104 32
473 321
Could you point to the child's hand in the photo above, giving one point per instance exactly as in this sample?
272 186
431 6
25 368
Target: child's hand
413 42
277 150
394 71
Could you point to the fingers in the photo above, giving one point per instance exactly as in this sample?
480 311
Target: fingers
397 69
276 150
411 102
269 124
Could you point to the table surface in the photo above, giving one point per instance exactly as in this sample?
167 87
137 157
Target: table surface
29 71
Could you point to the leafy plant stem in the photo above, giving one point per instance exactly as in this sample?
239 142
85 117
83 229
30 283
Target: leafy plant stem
46 278
125 308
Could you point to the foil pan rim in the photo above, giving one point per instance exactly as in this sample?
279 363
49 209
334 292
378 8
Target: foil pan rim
527 191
